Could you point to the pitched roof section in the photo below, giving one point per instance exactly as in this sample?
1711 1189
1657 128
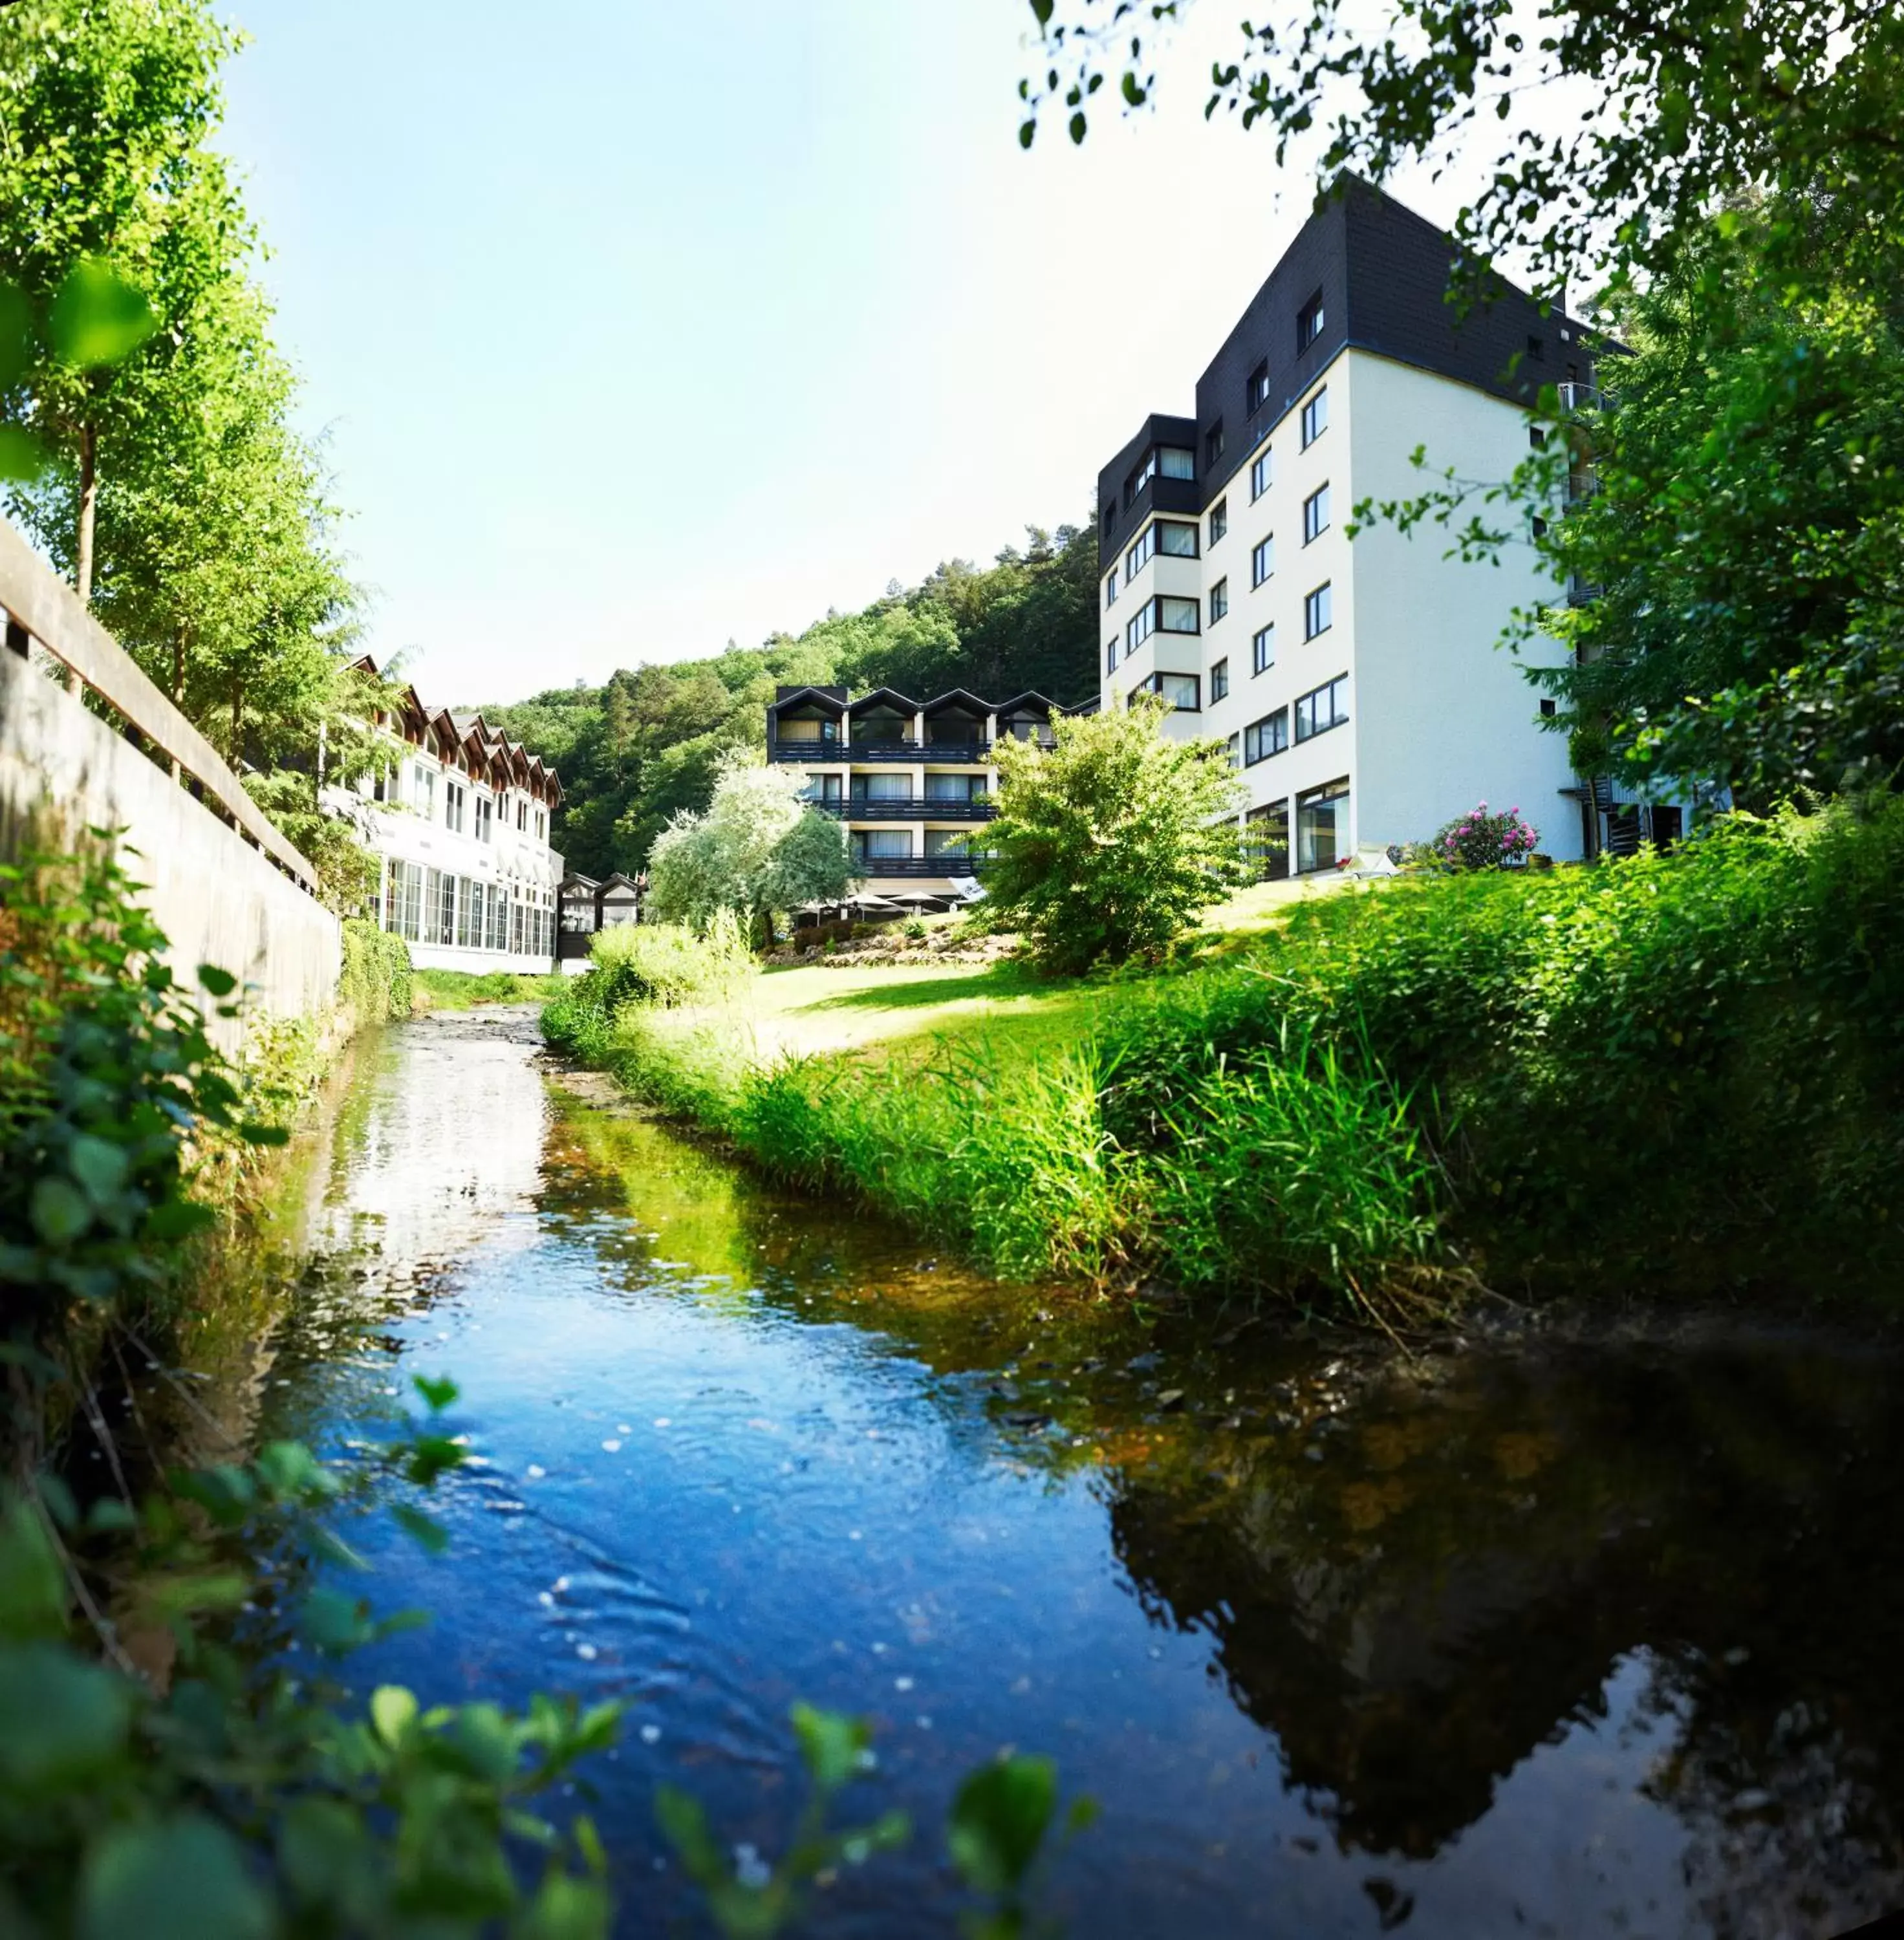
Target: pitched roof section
467 729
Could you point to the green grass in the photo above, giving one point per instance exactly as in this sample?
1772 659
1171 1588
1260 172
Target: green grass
462 989
1680 1074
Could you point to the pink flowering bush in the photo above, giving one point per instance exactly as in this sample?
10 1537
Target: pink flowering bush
1480 841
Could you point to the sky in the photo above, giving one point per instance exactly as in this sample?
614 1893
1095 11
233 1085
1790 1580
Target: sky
632 327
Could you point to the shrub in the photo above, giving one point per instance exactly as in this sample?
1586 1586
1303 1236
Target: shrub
1106 845
659 963
1479 840
376 981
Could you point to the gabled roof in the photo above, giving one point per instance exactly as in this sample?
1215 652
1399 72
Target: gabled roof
958 696
883 697
1029 698
466 728
821 696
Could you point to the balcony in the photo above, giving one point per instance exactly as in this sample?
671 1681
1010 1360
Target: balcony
1579 397
910 808
920 865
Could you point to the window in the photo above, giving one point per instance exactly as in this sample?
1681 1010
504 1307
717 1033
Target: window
1181 690
955 788
423 795
1255 392
1266 839
1536 438
1548 709
882 844
1140 479
1259 470
1110 654
485 818
1173 462
1139 628
1315 515
1269 736
945 842
1315 417
1233 750
1175 540
1213 443
1539 529
1262 649
824 789
1262 561
454 796
498 917
1219 681
522 813
1318 612
882 787
1219 600
1537 349
1219 520
1321 826
465 911
1179 616
1309 322
1110 588
541 825
1322 708
1139 555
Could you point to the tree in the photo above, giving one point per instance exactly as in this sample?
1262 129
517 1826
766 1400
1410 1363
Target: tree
1106 845
757 848
1681 103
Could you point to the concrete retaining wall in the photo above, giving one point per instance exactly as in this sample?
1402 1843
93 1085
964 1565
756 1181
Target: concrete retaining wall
62 770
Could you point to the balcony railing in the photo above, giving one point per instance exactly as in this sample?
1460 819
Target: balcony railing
1579 397
953 864
910 808
878 751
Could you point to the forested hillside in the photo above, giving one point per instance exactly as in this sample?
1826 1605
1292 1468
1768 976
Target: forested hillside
631 752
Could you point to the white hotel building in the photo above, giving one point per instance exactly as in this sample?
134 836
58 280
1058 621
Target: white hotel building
460 821
1359 685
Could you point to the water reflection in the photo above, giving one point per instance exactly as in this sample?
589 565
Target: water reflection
1568 1640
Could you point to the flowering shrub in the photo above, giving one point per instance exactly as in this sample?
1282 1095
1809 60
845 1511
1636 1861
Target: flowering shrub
1479 840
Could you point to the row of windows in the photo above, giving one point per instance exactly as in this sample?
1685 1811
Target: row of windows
894 788
1167 615
894 845
1177 537
460 816
1321 832
1166 461
434 906
1315 712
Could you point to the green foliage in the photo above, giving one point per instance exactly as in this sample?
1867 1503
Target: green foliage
995 1836
462 990
757 849
348 874
376 981
1687 101
634 965
1106 845
634 753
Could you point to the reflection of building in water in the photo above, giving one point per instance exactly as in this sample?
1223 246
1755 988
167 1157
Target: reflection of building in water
1453 1583
450 1148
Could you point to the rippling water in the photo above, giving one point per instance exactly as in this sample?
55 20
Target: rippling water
1557 1639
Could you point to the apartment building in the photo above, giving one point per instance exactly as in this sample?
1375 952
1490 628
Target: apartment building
459 822
1357 684
913 780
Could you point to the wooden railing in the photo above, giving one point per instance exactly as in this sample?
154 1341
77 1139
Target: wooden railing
42 611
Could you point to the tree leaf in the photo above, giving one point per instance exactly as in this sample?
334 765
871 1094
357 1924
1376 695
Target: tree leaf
999 1820
99 318
60 1718
184 1878
393 1709
58 1211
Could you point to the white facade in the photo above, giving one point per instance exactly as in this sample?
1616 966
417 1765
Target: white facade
460 821
1359 683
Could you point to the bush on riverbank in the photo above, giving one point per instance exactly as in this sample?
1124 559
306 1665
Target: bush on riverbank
1683 1070
375 983
464 990
665 964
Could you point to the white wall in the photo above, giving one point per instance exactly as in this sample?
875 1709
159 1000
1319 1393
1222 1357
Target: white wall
1445 718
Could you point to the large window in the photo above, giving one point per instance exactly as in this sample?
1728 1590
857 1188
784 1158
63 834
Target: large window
1255 392
1219 520
1219 681
1137 629
888 845
1318 612
955 788
882 787
1321 826
1269 736
1260 469
1310 322
1179 616
1315 417
1262 561
821 788
1139 555
1266 840
1174 463
1177 540
1315 515
1219 600
1182 691
1322 708
1262 649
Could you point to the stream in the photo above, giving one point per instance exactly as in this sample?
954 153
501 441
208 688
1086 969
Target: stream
1546 1636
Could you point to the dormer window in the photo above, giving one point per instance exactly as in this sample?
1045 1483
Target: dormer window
1256 391
1309 322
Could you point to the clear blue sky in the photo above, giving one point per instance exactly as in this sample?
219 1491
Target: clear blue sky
633 327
